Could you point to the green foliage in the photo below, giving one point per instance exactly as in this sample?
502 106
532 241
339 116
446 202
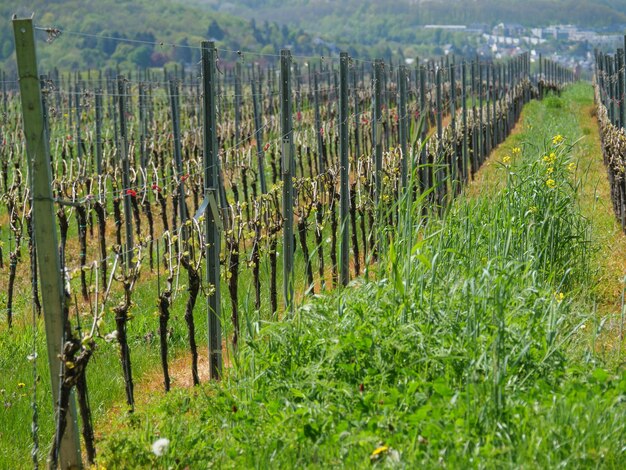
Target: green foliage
108 23
464 353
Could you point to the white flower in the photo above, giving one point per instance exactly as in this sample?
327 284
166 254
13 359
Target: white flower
111 336
32 357
160 446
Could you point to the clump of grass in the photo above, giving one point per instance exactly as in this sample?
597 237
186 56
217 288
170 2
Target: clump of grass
553 101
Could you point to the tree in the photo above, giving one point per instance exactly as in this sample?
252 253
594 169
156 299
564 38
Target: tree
215 31
141 56
182 53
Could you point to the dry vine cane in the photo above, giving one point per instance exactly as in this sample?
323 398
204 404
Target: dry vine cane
191 260
74 359
306 192
165 302
122 315
233 238
16 226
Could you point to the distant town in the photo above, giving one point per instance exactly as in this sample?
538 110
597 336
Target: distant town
569 45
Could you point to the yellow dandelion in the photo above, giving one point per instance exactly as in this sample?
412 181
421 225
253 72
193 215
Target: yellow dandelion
21 385
571 166
378 451
550 170
550 183
559 296
506 159
516 150
557 139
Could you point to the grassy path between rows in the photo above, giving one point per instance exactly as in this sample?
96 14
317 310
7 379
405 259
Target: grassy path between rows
491 338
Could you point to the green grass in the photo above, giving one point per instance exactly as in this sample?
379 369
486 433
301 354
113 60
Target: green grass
468 351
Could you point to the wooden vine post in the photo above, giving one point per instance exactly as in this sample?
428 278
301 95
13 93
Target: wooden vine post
211 218
288 167
45 228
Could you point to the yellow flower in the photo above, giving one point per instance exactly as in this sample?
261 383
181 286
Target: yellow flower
21 385
557 139
571 166
559 296
549 171
550 183
378 451
506 159
516 150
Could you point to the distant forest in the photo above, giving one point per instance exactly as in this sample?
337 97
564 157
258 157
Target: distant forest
364 28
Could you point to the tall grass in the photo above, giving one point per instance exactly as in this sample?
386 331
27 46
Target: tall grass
460 353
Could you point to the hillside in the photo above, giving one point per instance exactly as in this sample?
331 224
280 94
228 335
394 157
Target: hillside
365 28
146 22
324 14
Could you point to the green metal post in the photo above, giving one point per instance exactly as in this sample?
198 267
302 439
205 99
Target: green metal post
344 207
288 167
403 122
211 218
377 130
127 194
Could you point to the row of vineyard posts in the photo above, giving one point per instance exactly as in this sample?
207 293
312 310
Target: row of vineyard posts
204 171
609 87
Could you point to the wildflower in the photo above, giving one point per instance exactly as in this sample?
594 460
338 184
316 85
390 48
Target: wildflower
550 183
559 296
111 336
549 159
21 385
266 147
571 166
550 170
184 177
160 446
557 139
156 187
516 150
506 159
131 192
378 451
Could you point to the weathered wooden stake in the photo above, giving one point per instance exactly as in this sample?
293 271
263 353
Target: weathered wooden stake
45 230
